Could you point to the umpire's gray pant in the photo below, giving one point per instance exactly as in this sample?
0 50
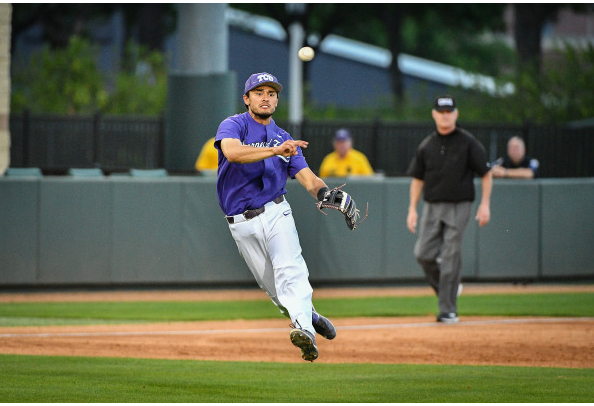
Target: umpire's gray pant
438 249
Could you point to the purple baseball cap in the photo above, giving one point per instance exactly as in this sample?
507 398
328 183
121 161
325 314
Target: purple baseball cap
342 135
260 79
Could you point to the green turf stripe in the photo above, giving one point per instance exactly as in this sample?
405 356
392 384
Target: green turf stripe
541 304
101 380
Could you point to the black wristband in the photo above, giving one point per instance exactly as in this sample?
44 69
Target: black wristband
322 192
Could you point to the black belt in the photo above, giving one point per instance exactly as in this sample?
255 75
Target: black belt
251 213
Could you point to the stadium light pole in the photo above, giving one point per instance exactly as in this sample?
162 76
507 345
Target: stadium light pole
5 32
296 38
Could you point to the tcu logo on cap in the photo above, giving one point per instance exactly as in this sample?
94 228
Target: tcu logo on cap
265 78
260 78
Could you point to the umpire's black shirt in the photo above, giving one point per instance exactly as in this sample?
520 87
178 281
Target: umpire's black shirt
447 164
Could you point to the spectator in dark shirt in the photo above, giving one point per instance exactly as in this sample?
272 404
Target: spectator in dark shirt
515 164
443 169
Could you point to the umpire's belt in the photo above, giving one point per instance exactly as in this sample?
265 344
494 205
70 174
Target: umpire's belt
251 213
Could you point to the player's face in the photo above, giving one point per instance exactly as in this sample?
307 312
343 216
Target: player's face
261 101
445 120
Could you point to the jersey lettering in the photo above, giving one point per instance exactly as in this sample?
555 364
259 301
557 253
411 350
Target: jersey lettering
275 143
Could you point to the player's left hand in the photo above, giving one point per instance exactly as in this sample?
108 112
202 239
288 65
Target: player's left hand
338 199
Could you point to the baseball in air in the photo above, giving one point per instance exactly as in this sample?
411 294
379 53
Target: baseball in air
306 54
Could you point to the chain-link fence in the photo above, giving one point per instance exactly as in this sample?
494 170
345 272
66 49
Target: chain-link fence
57 143
112 143
562 151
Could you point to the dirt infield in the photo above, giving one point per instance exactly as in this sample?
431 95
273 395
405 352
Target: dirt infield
522 341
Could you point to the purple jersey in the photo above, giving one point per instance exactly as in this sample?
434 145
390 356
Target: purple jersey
248 186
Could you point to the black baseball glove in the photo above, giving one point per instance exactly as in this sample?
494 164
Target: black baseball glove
338 199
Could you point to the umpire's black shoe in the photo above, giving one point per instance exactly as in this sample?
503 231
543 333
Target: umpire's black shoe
447 317
323 326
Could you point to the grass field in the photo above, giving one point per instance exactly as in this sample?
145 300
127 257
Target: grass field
86 379
64 313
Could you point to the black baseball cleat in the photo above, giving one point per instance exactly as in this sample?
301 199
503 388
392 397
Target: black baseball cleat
447 317
323 326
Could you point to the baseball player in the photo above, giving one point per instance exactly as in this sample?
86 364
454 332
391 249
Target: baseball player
255 159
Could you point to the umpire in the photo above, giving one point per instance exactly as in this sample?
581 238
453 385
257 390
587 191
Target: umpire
443 169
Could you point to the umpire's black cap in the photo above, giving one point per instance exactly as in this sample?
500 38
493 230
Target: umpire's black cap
445 103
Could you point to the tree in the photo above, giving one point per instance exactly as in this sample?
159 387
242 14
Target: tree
64 81
320 19
392 16
143 90
530 19
67 81
59 21
147 24
382 23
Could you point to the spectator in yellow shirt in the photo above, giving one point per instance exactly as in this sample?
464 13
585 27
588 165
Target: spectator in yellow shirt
345 160
208 160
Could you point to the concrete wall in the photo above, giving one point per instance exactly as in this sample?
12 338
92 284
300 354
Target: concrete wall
60 231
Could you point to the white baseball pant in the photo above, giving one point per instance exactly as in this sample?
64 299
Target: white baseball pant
270 246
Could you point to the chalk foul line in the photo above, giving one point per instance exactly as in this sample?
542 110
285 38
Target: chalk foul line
278 329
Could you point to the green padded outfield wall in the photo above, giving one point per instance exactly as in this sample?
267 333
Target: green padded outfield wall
567 227
509 247
331 250
208 252
75 236
19 230
146 221
114 230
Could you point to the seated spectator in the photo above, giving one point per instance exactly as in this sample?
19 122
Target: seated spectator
208 160
515 164
345 160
